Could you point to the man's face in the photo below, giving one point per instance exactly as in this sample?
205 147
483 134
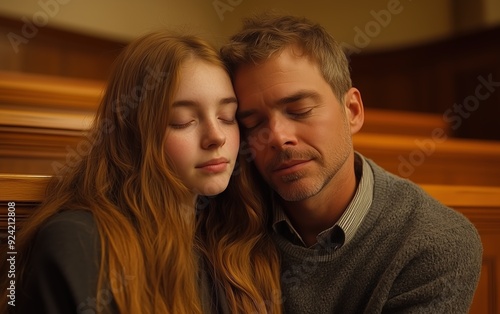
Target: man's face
294 125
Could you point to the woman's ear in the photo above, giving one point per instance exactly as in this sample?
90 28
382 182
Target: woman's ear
354 109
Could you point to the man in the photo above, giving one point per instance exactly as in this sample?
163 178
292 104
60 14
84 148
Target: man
353 238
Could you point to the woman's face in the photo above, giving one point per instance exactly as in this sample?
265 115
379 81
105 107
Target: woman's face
203 137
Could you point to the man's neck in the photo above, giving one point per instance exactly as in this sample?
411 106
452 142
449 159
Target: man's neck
321 211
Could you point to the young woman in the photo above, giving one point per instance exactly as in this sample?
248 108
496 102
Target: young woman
136 227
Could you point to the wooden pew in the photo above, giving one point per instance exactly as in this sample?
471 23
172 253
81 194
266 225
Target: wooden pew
74 97
480 204
398 122
433 159
44 120
26 191
50 94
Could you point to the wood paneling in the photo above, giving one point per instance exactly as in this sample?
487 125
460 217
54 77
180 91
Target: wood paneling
48 50
458 78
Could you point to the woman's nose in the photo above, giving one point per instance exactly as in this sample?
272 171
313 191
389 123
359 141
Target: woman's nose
213 136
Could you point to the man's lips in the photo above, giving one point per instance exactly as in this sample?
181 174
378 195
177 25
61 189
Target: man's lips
289 165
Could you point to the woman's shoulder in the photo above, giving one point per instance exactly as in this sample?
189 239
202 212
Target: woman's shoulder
68 233
70 223
63 267
71 219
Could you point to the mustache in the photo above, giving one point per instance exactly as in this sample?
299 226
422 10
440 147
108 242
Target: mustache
288 155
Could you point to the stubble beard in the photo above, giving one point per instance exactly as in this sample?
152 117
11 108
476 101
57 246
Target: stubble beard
300 185
293 190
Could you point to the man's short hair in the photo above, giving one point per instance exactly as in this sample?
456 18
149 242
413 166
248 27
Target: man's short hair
265 35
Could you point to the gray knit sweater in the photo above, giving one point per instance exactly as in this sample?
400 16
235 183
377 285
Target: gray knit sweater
411 254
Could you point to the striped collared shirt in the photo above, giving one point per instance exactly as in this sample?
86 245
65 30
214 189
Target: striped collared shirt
345 228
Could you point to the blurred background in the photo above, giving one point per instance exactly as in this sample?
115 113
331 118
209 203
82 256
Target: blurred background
409 55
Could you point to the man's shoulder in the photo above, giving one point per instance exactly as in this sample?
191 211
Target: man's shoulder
405 196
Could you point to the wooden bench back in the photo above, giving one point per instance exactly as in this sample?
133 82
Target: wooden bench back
433 160
44 120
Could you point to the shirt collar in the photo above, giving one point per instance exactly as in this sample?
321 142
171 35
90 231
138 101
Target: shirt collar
345 228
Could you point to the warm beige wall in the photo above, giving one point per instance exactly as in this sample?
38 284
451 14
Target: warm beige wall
117 19
354 23
492 12
351 22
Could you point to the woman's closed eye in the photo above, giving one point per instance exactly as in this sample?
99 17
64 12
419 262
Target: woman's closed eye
228 119
227 113
181 124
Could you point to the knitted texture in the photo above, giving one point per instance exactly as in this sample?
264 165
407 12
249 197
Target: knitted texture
411 254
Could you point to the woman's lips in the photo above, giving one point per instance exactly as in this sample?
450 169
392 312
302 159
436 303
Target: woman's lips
214 165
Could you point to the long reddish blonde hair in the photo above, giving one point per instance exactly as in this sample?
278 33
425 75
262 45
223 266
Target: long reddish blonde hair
144 213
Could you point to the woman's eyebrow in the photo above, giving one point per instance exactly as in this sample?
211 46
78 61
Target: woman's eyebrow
192 103
228 100
184 103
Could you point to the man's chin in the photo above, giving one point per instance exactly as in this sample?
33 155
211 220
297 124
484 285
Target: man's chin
294 192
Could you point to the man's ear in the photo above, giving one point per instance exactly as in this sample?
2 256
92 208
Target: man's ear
354 109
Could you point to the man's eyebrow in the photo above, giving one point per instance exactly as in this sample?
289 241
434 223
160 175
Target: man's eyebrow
297 96
302 94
